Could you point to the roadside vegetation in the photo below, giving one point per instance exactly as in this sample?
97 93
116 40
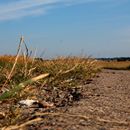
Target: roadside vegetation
59 81
62 72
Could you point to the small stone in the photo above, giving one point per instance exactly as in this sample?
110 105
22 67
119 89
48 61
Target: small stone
27 102
46 104
35 104
82 123
2 115
102 128
128 118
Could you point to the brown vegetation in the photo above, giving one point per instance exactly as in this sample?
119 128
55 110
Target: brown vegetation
115 65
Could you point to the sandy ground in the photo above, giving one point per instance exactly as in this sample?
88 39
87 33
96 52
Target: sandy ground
105 106
107 103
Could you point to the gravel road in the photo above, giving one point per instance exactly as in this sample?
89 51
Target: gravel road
105 106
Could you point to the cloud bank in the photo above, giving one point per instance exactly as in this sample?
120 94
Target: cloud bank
22 8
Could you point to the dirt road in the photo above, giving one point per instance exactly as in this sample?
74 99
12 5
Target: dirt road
105 106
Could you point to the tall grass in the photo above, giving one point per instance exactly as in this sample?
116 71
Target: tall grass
23 77
62 71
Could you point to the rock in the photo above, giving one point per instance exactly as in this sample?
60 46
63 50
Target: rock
128 118
27 102
46 104
102 128
2 115
83 123
35 103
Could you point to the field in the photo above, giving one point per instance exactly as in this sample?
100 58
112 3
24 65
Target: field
115 65
70 93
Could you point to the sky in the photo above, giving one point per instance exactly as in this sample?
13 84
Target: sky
97 28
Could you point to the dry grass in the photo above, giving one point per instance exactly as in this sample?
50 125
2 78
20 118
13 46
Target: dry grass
116 65
25 77
63 71
63 75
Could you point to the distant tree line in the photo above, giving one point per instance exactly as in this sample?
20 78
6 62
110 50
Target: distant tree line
115 59
103 59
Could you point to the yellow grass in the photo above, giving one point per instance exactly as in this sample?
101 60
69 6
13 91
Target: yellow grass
62 71
123 65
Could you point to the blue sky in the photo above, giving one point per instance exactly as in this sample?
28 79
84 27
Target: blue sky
100 28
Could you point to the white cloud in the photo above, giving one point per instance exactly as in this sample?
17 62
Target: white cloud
21 8
20 14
